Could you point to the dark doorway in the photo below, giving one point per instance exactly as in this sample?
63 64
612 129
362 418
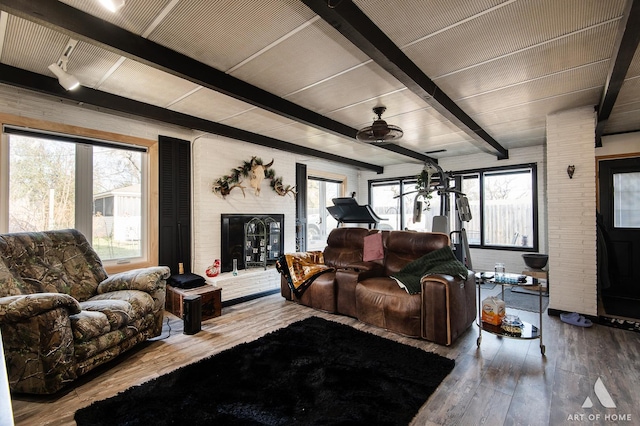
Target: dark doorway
619 236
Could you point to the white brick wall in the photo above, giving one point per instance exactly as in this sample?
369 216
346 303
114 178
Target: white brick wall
214 157
572 208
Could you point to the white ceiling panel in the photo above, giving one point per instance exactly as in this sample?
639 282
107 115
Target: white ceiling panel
294 132
508 133
31 46
630 92
208 104
538 109
452 143
634 68
508 29
223 33
570 81
416 19
401 106
309 56
135 16
140 82
363 85
579 49
257 120
624 120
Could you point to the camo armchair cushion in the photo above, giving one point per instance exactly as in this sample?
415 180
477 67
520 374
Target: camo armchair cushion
50 262
144 279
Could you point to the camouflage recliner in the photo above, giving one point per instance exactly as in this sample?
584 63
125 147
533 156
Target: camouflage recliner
61 315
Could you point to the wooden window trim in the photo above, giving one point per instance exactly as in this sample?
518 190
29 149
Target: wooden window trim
152 177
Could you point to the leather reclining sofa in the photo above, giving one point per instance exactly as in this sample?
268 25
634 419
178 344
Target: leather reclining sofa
440 313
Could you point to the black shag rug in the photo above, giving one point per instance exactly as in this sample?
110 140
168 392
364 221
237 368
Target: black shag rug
313 372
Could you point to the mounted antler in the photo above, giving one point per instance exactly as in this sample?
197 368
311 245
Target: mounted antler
224 189
283 190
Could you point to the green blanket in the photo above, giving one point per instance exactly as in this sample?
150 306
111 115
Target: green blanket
441 261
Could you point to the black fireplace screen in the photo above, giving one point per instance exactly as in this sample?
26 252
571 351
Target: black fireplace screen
234 240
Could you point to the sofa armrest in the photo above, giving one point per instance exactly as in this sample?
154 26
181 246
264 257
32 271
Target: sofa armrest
20 308
38 341
152 280
144 279
448 306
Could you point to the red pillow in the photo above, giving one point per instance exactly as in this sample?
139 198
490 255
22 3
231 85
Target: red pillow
373 249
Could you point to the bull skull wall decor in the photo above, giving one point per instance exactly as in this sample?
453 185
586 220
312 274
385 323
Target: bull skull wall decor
256 172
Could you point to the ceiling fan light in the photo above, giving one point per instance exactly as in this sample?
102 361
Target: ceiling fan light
380 129
379 133
66 80
112 5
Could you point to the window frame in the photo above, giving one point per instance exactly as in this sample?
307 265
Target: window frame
406 185
76 134
480 173
321 176
534 203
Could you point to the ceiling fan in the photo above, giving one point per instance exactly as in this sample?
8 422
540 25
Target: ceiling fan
379 133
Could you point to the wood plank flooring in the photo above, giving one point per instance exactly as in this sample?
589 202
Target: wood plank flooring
504 382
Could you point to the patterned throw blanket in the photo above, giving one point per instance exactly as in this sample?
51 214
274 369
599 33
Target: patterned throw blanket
301 269
441 261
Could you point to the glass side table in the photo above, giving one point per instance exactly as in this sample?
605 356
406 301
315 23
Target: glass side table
529 331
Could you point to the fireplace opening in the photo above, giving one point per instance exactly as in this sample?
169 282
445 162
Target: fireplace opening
255 240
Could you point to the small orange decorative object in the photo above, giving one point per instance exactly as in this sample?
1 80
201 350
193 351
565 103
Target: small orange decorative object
214 270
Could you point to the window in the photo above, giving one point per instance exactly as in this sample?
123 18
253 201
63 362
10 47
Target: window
320 192
503 204
58 182
385 200
626 200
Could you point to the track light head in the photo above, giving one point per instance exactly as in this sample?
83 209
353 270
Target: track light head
65 79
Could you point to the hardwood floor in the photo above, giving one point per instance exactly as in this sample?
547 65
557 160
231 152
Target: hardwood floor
505 381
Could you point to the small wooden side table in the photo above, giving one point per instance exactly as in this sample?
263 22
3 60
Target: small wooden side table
211 297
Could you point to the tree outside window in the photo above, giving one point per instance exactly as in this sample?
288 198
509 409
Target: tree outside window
46 179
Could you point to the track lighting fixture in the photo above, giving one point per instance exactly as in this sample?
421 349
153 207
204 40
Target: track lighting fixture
112 5
66 80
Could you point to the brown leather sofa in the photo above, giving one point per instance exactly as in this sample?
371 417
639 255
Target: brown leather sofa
441 312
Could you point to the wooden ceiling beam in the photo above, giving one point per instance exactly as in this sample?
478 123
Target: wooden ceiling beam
625 48
353 24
